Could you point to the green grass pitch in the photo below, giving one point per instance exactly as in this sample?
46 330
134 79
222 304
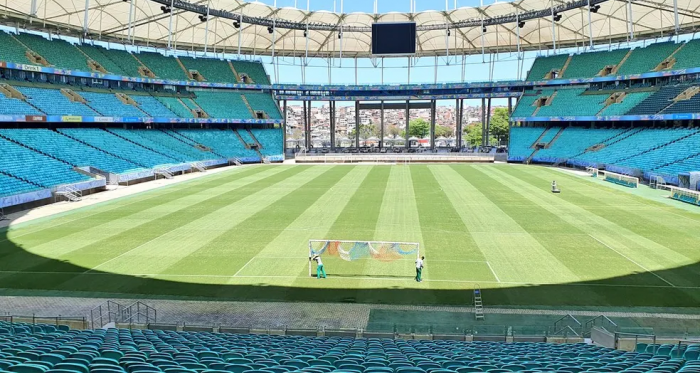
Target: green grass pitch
243 235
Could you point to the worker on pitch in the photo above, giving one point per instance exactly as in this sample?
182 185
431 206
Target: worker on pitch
319 267
419 268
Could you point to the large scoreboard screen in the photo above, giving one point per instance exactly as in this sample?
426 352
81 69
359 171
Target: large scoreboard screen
394 38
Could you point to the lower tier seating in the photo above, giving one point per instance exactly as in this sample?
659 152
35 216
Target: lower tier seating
632 150
225 143
121 351
271 139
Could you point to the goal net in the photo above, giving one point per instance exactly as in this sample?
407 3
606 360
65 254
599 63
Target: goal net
624 180
592 171
356 251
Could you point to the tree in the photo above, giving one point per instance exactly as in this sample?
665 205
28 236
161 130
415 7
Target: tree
443 131
366 131
419 128
499 124
473 134
394 131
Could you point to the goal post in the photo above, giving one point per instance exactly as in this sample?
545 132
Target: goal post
624 180
383 251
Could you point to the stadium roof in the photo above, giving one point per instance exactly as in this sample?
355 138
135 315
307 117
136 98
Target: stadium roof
110 20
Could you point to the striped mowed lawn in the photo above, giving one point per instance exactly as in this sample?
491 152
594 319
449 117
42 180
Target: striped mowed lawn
243 234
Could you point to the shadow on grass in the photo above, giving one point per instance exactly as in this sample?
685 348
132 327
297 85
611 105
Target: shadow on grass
40 276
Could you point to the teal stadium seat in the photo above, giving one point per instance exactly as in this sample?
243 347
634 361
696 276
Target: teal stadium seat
213 70
222 104
163 67
264 102
543 65
255 70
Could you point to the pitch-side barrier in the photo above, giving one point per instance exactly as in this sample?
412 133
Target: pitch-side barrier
395 158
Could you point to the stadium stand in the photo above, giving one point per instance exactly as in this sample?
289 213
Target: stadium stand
16 106
211 70
658 101
686 57
163 143
97 54
544 65
521 141
122 350
57 52
571 102
176 106
35 169
10 185
108 104
163 67
125 60
630 101
254 70
224 143
118 146
263 102
271 139
153 107
11 49
586 65
66 149
52 101
643 60
571 142
221 104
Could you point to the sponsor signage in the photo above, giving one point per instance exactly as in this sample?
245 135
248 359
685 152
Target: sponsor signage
71 118
35 118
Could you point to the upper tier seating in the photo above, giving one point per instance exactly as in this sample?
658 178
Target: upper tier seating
153 107
587 65
97 54
264 102
644 60
521 141
53 102
10 185
254 70
164 67
34 167
222 142
174 105
125 60
69 150
11 50
165 144
687 57
57 52
136 350
223 104
108 104
212 70
543 65
691 105
118 146
270 139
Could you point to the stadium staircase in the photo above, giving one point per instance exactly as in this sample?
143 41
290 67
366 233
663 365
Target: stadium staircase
247 104
185 70
196 109
622 62
163 172
199 166
71 193
255 139
144 70
563 69
670 60
111 313
235 73
554 139
240 138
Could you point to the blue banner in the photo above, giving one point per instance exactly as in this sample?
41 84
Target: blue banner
617 118
22 198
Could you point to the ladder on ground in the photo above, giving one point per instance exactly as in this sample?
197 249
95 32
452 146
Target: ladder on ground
478 304
71 193
163 172
236 161
199 166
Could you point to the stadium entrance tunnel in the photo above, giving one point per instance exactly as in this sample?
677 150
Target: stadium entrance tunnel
23 273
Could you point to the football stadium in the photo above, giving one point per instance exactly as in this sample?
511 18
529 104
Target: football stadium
366 186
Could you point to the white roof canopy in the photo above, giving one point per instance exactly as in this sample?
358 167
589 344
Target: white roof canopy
147 24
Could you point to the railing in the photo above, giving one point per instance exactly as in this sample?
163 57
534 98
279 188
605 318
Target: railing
601 321
393 157
113 312
163 172
61 322
71 193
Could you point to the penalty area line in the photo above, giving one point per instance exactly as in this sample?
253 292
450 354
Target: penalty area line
633 261
494 272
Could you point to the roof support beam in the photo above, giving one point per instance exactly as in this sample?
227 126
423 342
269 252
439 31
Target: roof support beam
170 25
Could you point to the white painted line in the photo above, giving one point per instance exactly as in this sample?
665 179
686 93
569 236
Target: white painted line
494 272
127 252
633 261
245 265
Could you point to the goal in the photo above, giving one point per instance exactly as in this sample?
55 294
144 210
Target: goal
363 250
624 180
592 171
